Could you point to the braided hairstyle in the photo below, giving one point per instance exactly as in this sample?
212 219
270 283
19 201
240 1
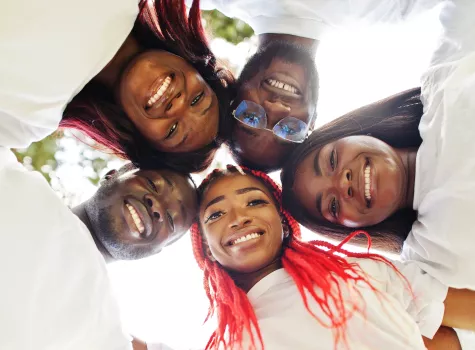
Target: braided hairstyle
312 265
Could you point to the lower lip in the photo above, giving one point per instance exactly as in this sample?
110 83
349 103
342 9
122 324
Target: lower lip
247 244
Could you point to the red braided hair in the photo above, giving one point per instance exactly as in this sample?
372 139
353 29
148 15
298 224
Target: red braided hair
310 266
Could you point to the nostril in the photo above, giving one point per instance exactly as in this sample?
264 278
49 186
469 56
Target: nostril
350 192
149 202
348 175
156 215
178 95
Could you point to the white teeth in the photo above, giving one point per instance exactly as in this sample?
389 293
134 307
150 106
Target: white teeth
283 86
367 182
137 221
161 90
246 238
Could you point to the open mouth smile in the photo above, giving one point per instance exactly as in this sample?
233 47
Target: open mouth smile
136 218
283 86
367 183
245 238
159 93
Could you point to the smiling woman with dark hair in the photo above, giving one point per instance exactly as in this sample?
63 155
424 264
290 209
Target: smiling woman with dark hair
138 77
379 176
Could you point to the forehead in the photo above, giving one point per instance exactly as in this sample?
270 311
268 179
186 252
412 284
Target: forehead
227 185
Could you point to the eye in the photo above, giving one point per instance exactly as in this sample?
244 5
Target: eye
172 130
170 221
333 207
214 216
197 98
251 119
151 184
333 160
256 202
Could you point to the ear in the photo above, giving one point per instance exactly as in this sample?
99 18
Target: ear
107 176
285 226
207 251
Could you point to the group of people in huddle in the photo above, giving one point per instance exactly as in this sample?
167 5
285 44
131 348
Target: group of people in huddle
139 78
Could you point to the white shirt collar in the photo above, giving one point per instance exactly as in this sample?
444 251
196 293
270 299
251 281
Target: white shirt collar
272 279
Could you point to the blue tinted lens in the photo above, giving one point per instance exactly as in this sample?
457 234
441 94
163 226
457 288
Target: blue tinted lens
251 114
291 129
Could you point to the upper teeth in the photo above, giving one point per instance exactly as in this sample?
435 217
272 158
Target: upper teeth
283 86
367 182
137 221
246 238
161 90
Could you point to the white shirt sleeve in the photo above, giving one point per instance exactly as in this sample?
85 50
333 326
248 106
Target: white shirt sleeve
55 292
425 304
314 18
441 239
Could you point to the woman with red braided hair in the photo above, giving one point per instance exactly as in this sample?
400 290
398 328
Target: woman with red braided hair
272 290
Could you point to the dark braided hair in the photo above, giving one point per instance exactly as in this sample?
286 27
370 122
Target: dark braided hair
312 265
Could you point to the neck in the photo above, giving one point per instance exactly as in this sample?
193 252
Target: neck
310 44
110 74
408 157
246 281
81 212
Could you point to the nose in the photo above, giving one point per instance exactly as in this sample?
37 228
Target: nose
154 207
177 106
345 183
238 219
276 111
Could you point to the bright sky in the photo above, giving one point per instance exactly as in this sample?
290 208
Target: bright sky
161 297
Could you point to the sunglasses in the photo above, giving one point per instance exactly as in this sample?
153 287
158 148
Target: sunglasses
253 115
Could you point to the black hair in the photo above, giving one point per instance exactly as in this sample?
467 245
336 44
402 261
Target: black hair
394 120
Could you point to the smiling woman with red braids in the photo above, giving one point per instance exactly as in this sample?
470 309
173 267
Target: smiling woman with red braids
269 289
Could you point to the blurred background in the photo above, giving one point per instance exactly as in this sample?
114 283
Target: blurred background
161 297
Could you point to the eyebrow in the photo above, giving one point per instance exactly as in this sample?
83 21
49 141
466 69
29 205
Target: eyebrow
184 213
318 203
316 164
167 180
240 191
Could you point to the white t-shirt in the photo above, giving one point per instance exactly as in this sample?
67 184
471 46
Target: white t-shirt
442 239
314 18
395 320
50 49
55 290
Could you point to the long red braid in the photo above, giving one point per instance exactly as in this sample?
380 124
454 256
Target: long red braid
312 265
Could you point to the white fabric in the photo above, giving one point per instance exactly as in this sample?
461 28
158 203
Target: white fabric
442 240
158 346
390 322
55 290
49 50
314 18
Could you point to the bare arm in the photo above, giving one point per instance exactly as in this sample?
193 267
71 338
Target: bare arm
460 309
445 339
139 344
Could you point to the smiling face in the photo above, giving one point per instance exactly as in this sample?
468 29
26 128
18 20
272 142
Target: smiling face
138 213
355 181
283 80
240 223
169 102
